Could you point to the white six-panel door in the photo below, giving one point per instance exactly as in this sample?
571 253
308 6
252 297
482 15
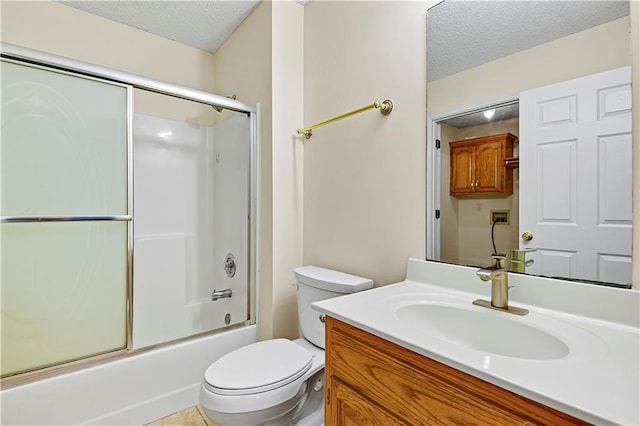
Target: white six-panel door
575 177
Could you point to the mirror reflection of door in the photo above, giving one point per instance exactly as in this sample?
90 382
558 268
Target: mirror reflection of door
575 177
571 188
476 62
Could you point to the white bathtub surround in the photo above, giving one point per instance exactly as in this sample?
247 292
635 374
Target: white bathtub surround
131 391
190 210
595 378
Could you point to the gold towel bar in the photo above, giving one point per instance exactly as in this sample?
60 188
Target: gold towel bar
385 109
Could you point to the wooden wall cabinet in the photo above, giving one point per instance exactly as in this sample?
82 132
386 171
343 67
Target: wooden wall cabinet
371 381
478 165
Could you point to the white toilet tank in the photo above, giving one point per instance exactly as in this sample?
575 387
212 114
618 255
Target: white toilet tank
316 284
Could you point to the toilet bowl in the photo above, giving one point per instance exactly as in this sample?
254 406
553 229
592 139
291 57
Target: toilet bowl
279 381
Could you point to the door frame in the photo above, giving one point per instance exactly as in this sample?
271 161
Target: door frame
433 195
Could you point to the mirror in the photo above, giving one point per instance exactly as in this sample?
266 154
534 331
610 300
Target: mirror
491 56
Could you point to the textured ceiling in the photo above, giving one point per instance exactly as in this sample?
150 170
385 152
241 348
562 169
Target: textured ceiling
202 24
463 34
501 113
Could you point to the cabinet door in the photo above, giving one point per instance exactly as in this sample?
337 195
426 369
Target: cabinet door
372 381
348 407
490 166
462 169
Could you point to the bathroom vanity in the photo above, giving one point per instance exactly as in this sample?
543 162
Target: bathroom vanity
374 381
419 352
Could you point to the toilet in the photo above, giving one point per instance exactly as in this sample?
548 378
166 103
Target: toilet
279 381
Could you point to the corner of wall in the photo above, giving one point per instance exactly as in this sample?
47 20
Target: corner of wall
287 93
364 182
635 83
262 61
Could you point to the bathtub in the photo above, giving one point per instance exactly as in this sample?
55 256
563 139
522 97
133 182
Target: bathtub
130 391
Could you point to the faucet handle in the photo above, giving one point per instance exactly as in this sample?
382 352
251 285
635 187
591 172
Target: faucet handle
499 260
518 261
520 253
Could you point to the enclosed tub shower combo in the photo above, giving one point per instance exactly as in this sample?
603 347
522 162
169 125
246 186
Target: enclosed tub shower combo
127 222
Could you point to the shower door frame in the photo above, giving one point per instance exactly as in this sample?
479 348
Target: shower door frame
47 61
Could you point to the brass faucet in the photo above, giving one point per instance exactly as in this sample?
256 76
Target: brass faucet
518 263
497 273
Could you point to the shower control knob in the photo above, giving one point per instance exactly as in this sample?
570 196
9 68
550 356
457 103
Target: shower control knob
230 265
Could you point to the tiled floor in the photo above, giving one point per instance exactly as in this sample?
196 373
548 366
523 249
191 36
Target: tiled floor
193 416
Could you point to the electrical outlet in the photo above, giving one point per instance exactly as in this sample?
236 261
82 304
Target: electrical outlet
500 217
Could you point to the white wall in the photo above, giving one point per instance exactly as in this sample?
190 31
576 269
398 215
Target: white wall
364 177
190 184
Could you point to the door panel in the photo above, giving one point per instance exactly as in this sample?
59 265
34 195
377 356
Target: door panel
488 167
575 177
462 169
614 168
557 263
63 156
556 198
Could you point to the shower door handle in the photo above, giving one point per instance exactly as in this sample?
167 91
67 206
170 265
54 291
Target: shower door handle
221 294
39 219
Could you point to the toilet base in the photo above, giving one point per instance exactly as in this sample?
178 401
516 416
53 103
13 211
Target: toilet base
315 419
305 409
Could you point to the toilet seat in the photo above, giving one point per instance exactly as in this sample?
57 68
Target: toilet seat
257 368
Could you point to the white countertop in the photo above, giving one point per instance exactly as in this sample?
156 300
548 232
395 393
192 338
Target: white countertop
598 381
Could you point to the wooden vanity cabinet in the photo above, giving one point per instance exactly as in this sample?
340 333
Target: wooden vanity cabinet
371 381
478 165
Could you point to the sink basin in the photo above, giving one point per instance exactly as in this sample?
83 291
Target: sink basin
483 330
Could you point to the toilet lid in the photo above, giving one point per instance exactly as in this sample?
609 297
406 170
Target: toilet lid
258 367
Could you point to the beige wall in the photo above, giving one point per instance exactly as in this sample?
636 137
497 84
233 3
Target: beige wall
243 67
559 60
68 32
262 62
465 226
364 204
364 177
65 31
449 249
288 76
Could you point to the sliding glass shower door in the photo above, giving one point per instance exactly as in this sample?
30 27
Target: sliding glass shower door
64 236
191 185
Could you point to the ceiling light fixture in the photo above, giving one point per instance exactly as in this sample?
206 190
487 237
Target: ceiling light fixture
489 113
